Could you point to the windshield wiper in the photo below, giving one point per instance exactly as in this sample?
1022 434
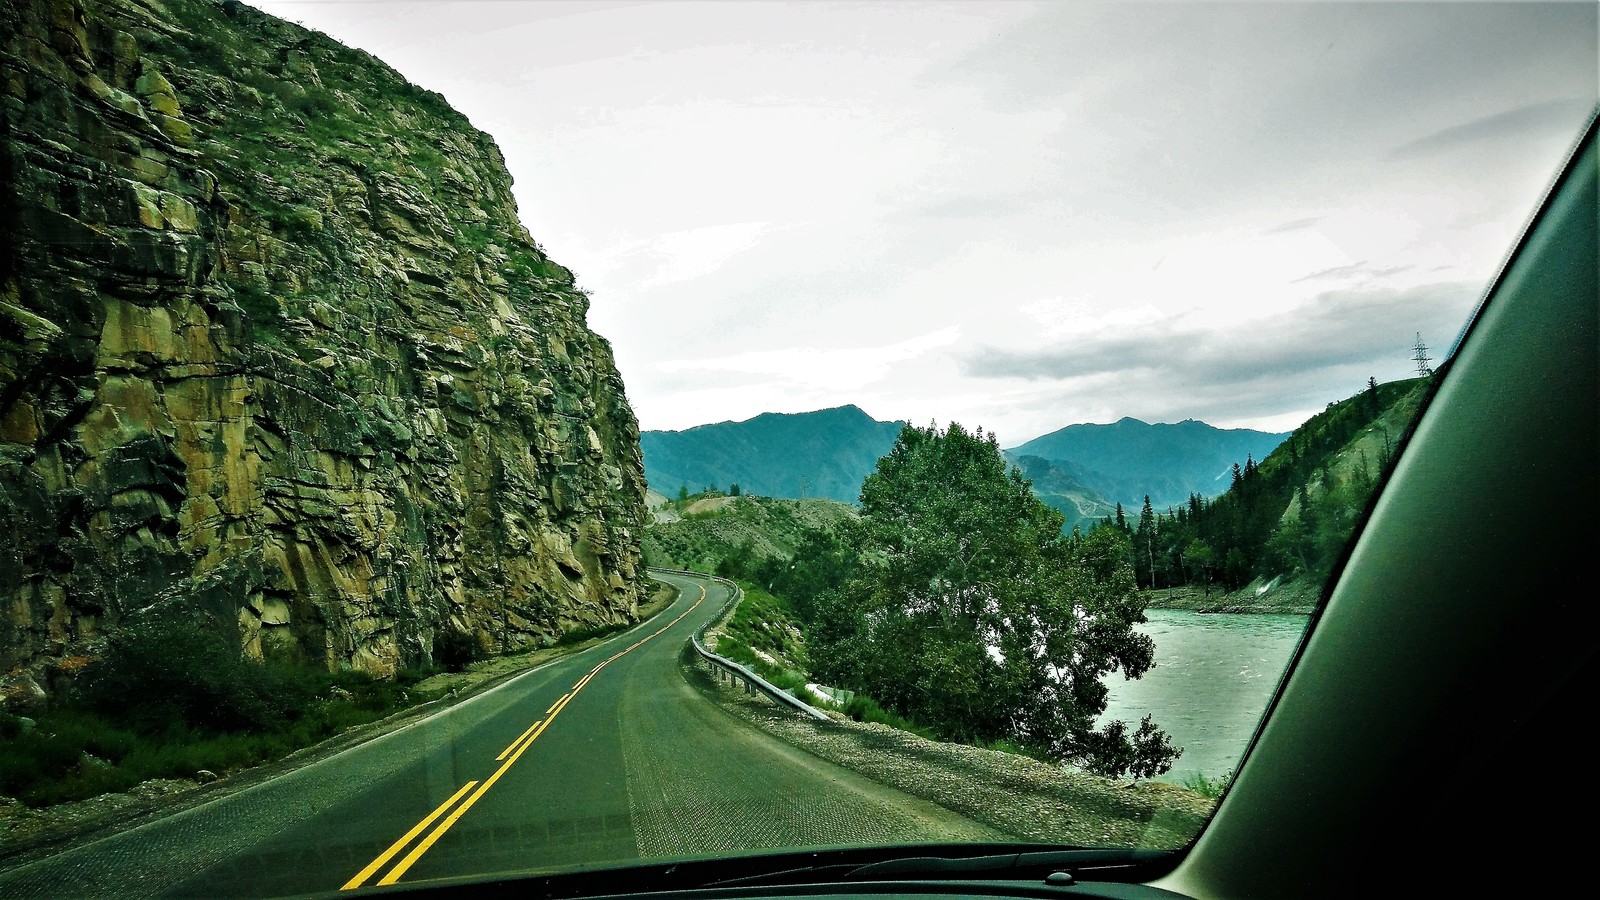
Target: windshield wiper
999 866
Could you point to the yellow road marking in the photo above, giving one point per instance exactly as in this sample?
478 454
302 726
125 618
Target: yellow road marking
394 848
513 745
417 851
520 745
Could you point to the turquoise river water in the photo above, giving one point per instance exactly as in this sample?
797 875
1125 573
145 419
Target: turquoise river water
1215 673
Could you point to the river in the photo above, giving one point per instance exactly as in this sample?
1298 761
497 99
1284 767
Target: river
1214 675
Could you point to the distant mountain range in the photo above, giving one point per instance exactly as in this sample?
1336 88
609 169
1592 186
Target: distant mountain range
1056 484
826 454
1129 459
1081 470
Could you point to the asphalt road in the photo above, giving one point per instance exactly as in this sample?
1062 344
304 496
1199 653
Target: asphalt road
606 755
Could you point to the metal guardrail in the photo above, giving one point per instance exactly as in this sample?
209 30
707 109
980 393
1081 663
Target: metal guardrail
727 667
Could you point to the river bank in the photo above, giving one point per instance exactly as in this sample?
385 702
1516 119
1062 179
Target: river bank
1298 597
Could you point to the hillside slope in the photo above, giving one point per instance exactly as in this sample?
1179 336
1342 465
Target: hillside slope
1060 488
278 357
708 531
1288 518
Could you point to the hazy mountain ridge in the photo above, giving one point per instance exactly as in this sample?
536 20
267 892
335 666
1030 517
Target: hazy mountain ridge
1080 470
826 454
1129 459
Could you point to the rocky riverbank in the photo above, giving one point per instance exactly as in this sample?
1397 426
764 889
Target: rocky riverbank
1292 598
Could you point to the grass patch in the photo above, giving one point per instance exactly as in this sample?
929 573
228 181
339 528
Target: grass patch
763 636
77 751
767 623
1003 745
1206 786
866 709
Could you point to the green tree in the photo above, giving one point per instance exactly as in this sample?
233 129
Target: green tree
821 563
1144 542
1200 561
971 612
741 562
1235 568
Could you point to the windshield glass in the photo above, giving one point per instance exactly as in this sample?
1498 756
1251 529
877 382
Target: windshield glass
440 439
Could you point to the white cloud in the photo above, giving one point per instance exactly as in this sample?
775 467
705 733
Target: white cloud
820 368
765 198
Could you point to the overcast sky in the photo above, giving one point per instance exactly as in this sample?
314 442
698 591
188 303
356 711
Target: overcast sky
1015 215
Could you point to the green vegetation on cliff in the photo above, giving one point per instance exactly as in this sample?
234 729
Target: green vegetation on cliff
277 356
1062 491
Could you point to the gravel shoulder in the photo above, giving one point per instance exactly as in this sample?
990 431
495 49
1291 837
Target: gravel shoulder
1032 800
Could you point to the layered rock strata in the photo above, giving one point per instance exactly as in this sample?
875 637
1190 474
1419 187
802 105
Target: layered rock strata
276 354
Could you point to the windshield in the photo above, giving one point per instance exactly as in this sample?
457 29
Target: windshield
449 439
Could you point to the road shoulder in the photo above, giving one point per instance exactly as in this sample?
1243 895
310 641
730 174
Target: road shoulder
1032 800
28 835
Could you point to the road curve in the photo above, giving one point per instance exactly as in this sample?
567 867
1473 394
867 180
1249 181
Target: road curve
607 755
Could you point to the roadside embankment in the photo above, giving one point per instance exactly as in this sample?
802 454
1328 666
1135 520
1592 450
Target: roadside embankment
1033 800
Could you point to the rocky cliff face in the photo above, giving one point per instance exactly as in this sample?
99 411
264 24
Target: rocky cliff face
275 352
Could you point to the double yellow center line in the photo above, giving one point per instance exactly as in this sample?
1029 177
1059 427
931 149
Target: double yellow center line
507 759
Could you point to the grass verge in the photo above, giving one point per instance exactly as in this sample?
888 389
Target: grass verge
171 702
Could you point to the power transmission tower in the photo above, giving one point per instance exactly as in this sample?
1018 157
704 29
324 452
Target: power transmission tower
1419 353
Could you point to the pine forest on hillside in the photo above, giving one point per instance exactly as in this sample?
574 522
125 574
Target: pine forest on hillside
1288 516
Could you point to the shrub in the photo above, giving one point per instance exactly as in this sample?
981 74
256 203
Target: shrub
166 673
455 650
865 709
1204 786
171 698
